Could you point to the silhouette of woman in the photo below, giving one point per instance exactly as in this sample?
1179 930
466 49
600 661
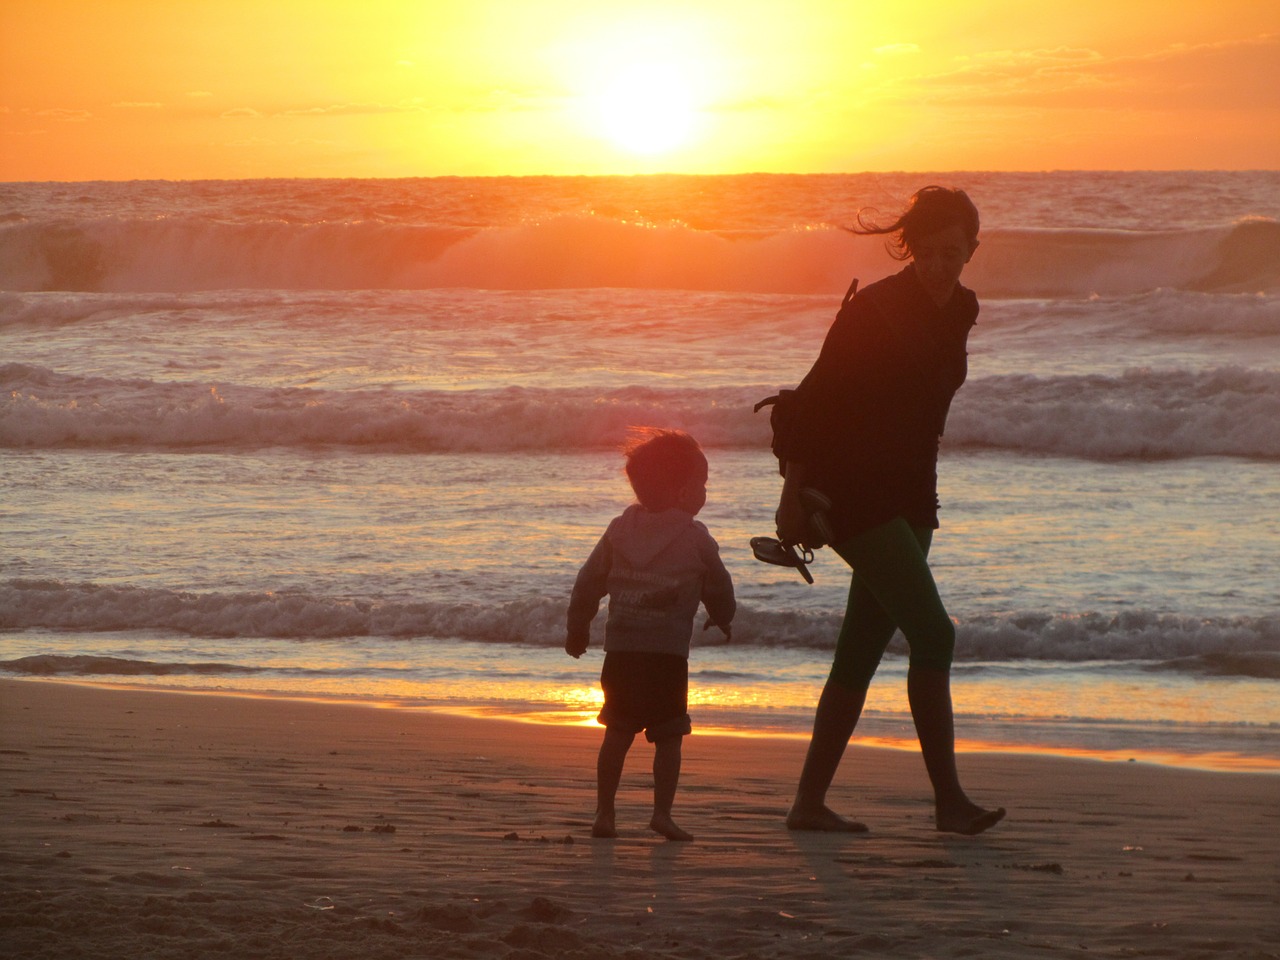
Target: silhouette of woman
873 410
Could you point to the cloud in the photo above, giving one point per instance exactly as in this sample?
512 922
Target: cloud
409 105
748 104
64 115
1238 73
896 49
495 100
414 105
502 100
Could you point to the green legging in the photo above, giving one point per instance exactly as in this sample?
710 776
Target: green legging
892 589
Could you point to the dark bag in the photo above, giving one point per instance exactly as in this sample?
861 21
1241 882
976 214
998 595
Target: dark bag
786 416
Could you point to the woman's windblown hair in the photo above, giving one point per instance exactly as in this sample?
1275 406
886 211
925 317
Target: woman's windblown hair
931 209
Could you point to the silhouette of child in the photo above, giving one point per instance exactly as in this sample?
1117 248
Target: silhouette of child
656 563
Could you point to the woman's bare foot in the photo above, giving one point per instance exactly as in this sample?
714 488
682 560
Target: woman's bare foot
604 828
823 820
663 824
968 820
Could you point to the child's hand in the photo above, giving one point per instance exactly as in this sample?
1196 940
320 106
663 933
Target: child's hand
727 629
575 646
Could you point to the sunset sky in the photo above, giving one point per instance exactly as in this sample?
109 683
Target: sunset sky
180 89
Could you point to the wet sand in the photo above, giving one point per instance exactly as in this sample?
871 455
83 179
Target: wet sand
150 825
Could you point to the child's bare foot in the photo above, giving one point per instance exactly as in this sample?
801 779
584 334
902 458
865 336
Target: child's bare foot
822 820
604 828
663 824
968 819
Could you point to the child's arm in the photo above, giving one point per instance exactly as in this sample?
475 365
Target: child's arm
588 590
717 589
725 628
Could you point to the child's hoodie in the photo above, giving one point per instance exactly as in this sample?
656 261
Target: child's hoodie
656 567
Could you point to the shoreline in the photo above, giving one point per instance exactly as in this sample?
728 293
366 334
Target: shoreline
150 824
872 733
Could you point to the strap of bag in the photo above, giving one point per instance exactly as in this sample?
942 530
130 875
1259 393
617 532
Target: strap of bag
853 288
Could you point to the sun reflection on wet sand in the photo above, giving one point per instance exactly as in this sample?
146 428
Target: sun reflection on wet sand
888 727
1220 761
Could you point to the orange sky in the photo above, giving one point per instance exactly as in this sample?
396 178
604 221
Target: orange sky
179 89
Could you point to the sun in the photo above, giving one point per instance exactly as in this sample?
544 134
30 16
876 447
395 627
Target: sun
647 108
643 85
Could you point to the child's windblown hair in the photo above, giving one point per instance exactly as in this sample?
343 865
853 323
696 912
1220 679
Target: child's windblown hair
660 463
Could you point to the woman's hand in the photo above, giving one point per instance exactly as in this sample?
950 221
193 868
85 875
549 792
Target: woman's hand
791 518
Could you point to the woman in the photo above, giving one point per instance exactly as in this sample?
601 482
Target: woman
873 410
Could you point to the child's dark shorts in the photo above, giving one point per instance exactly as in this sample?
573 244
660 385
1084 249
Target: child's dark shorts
646 691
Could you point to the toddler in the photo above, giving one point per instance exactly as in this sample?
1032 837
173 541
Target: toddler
656 563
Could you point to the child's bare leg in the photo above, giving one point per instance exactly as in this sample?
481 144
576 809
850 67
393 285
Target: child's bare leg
613 754
666 776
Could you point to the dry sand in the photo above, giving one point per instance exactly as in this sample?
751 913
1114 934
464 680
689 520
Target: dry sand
144 824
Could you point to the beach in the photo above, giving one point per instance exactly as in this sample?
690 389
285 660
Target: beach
157 824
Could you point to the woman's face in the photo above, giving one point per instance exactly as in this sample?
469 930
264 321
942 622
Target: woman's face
939 259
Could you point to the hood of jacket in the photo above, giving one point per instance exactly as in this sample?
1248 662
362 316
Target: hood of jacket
639 536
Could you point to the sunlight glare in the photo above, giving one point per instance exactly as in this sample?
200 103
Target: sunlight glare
647 108
644 84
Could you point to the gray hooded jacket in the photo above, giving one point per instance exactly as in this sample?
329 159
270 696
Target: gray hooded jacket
656 568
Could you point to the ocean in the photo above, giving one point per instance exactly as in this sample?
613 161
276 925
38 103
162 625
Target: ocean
351 439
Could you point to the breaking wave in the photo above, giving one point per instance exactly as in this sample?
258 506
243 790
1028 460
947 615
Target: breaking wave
1140 414
580 251
1241 646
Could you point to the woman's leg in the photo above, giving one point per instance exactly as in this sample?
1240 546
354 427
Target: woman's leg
837 715
864 634
929 690
891 564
